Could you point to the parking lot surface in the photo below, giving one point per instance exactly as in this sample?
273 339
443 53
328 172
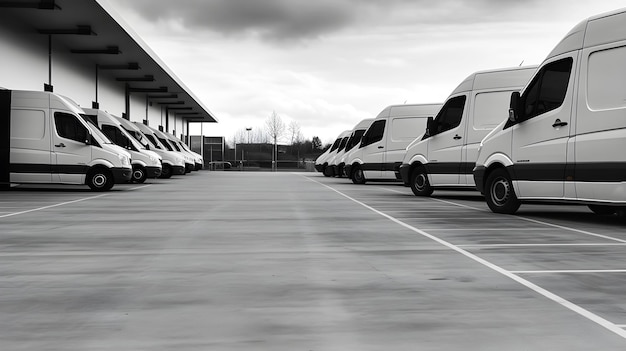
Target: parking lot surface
296 261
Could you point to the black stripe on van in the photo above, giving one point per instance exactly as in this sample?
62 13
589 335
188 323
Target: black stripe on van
450 168
45 168
390 166
582 172
5 137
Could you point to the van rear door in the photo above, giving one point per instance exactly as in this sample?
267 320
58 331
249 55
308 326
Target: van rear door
70 148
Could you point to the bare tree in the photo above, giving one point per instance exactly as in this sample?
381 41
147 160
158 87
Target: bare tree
275 128
295 132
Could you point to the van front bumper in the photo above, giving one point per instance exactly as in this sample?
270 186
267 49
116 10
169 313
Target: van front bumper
178 170
405 173
479 176
198 166
121 175
319 167
153 172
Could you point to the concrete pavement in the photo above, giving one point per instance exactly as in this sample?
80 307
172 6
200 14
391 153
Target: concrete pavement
279 261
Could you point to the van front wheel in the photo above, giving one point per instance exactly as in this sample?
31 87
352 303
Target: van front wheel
358 177
419 182
139 174
499 193
100 179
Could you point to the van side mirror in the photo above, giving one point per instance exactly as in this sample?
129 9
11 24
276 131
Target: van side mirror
89 139
514 107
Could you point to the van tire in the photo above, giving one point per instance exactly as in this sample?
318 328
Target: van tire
139 174
166 172
419 182
328 172
603 210
500 194
358 177
99 179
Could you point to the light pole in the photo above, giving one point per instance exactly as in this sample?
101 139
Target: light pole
248 129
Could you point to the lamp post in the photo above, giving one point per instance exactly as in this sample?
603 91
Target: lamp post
248 129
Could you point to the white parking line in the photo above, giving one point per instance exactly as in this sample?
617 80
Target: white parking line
51 206
538 245
140 187
563 302
526 219
572 271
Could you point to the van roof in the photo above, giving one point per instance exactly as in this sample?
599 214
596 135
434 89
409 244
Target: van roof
409 110
600 29
496 78
364 124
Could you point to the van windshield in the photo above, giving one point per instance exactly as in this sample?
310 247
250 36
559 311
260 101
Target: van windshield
153 141
355 139
166 144
96 131
139 137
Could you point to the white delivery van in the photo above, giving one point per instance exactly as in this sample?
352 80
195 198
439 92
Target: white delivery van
565 137
45 140
166 140
338 162
173 163
145 163
383 145
445 155
197 157
319 161
331 168
321 164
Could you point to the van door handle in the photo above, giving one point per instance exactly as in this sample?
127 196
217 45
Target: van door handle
381 147
558 123
60 145
457 137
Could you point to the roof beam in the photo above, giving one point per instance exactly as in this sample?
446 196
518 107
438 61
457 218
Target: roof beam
146 78
40 5
79 30
109 50
132 66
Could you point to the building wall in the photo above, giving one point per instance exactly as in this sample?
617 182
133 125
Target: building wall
24 66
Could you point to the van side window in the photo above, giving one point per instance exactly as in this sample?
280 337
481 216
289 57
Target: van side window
449 117
374 133
547 90
69 127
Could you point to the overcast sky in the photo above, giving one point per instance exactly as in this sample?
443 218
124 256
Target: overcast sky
327 64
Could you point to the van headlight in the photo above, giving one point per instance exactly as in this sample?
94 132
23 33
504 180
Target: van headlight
125 161
154 160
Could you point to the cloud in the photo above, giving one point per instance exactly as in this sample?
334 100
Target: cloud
303 20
